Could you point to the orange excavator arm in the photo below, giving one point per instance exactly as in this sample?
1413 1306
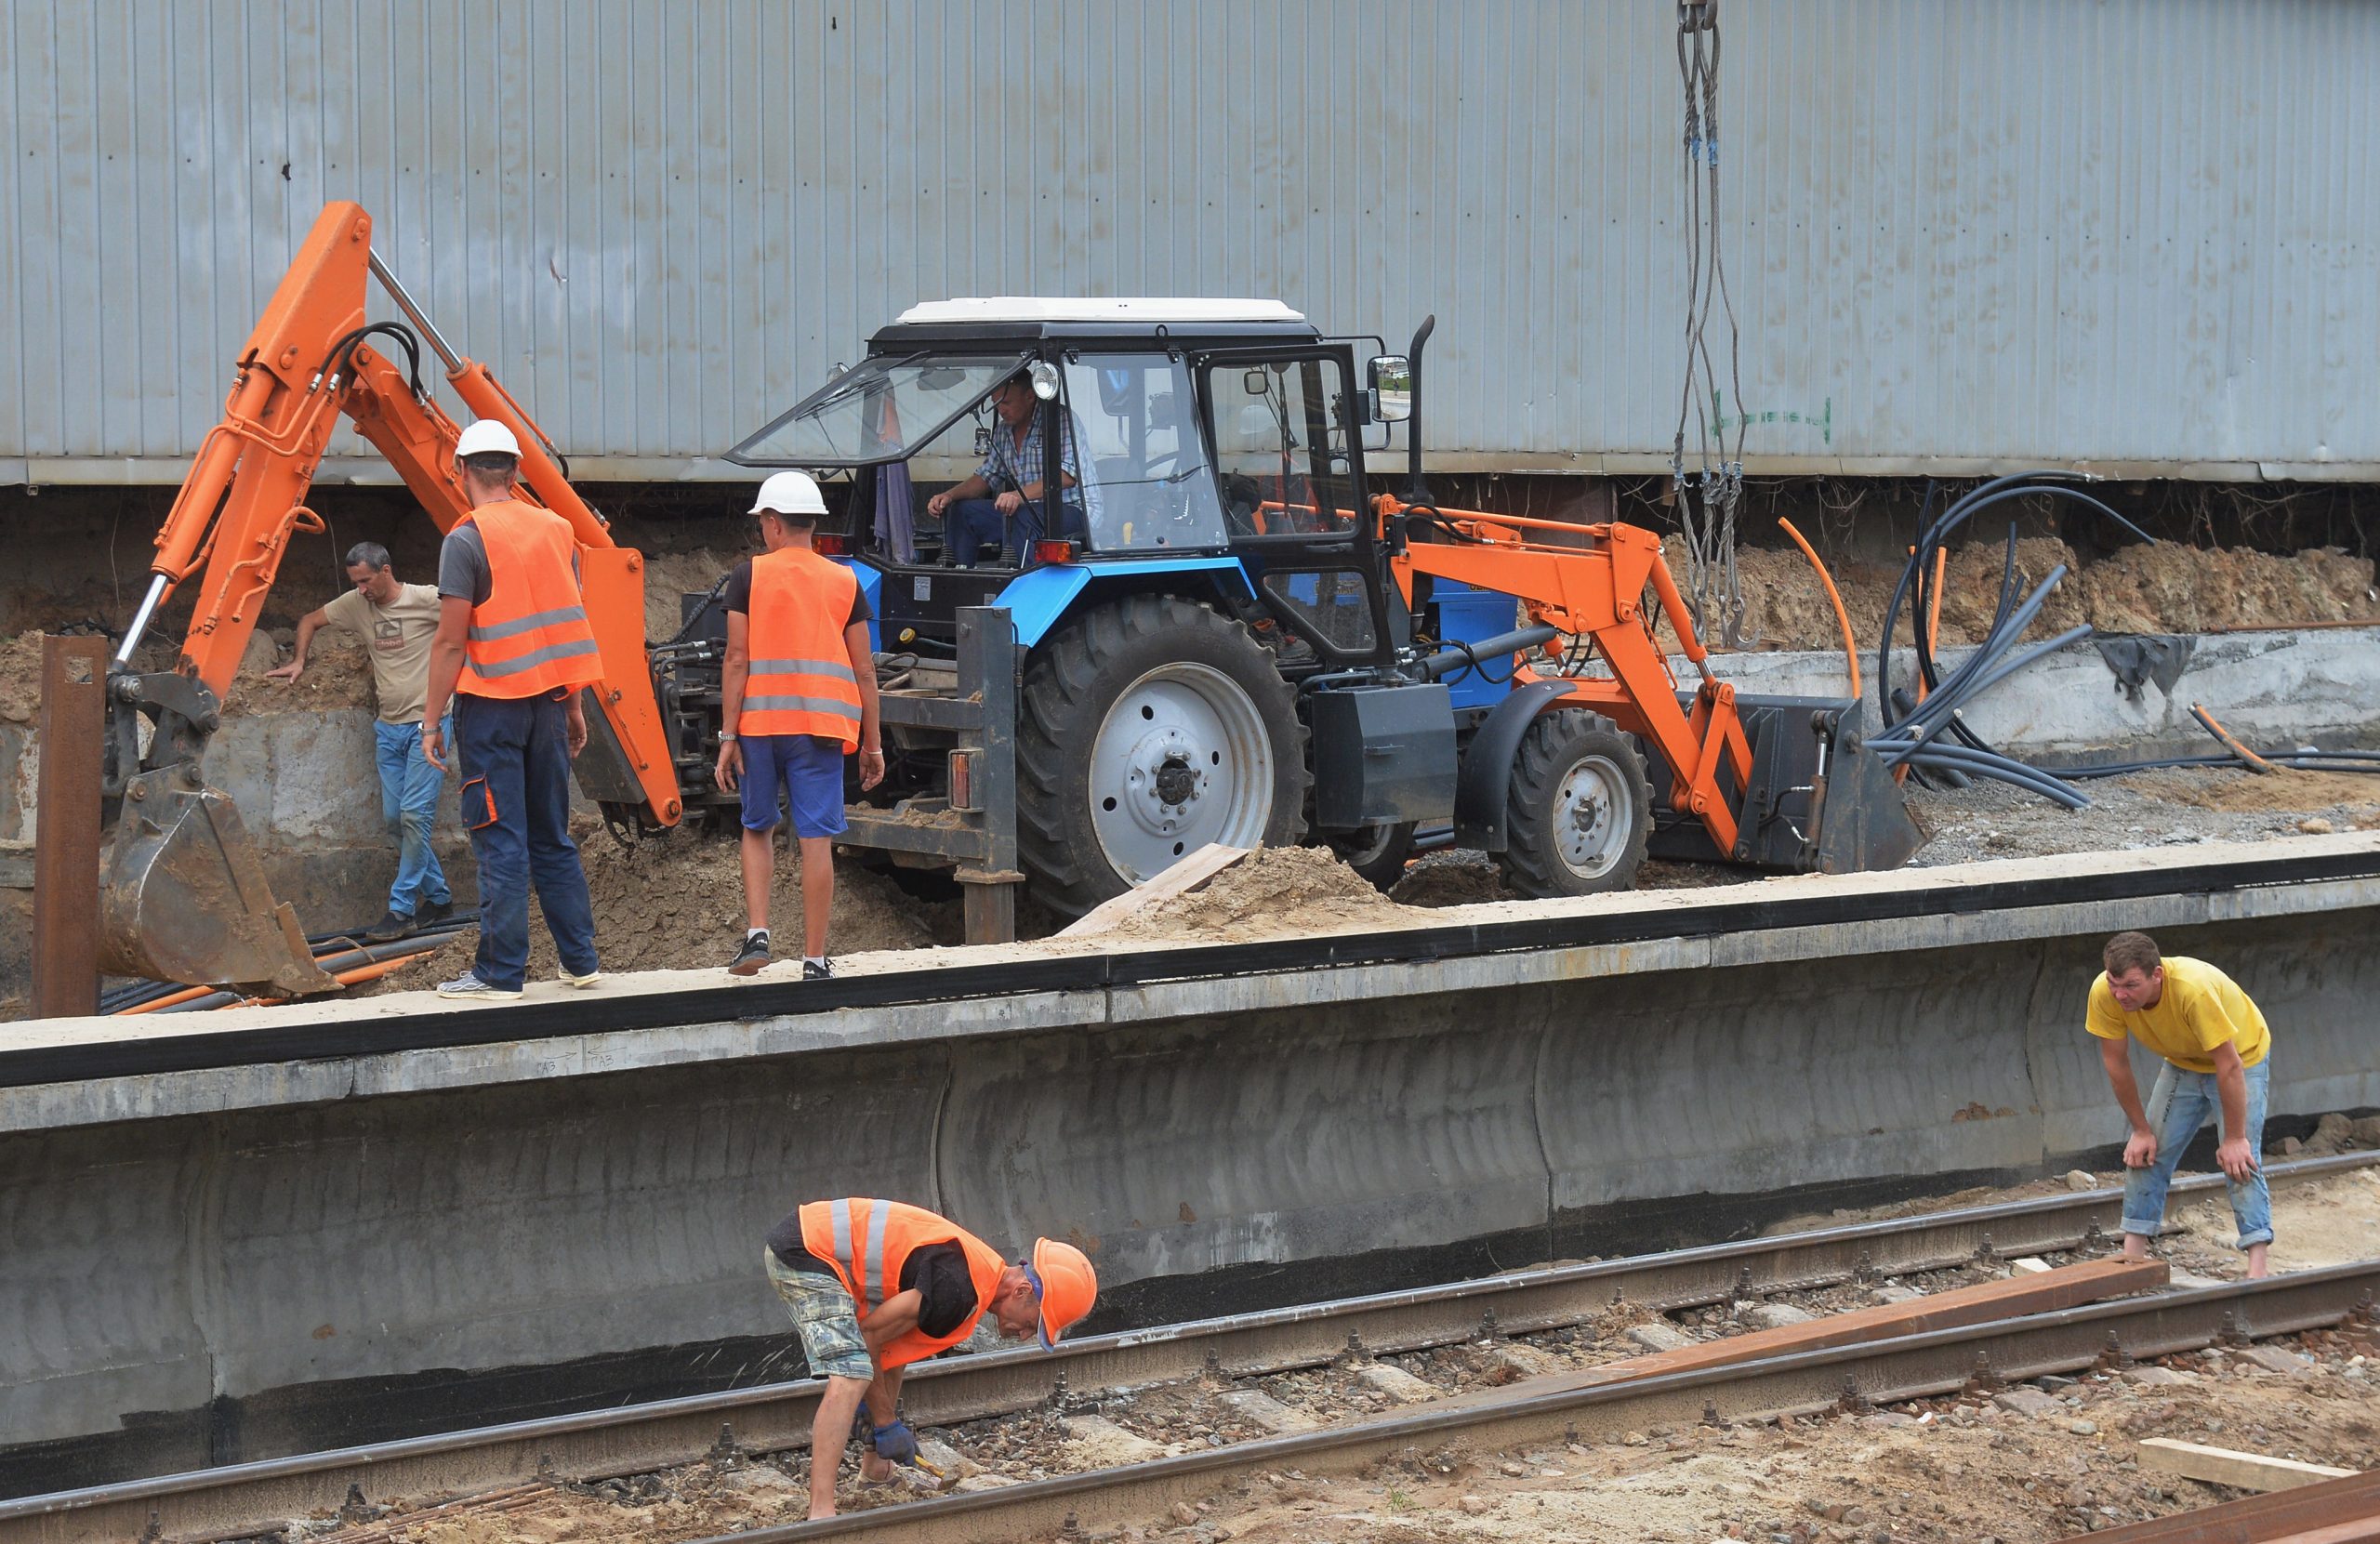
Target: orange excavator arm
1595 592
186 898
306 364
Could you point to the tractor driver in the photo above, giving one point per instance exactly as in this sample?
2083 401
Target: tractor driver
1001 505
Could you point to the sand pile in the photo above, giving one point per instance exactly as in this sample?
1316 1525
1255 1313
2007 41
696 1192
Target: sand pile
1276 891
676 902
2167 587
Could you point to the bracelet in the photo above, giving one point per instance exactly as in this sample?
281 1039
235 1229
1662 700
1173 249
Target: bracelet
726 736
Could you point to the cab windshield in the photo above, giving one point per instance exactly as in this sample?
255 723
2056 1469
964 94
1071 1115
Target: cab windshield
881 410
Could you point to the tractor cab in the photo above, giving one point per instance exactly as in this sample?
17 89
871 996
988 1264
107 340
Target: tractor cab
1211 447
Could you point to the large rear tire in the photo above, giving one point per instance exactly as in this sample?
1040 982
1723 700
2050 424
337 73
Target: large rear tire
1148 729
1578 809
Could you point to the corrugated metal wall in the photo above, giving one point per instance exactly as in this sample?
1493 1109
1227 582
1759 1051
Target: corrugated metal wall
1960 232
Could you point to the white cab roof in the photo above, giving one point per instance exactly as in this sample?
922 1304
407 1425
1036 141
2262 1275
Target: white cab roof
1041 307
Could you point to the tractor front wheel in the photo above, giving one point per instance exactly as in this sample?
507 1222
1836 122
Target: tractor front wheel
1148 729
1578 808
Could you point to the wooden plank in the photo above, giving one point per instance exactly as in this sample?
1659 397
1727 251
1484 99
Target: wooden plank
2067 1286
2225 1466
2310 1515
66 830
1187 875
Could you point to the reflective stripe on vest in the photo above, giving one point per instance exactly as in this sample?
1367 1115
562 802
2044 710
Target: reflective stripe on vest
531 635
867 1242
800 680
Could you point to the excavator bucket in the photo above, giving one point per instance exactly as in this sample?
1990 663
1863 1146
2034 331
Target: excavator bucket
183 897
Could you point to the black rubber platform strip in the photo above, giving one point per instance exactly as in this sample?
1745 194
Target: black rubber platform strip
601 1012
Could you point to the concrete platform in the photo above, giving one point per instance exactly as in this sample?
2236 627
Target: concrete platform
280 1229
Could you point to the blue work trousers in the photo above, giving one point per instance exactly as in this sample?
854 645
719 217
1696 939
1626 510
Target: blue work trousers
515 760
972 525
2181 1103
409 789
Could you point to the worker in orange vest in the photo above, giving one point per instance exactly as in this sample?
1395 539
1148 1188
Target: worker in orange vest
874 1285
514 649
798 694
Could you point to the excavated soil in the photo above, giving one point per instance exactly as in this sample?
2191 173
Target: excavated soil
1273 891
676 902
2284 789
2165 588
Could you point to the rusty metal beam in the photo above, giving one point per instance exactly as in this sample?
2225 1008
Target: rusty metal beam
66 834
2067 1286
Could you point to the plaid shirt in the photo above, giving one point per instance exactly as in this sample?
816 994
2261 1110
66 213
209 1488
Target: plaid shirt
1010 467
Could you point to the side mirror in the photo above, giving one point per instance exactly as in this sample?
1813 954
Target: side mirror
1392 389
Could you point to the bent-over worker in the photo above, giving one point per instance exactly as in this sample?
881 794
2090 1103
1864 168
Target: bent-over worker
514 646
798 693
874 1285
397 622
2217 1055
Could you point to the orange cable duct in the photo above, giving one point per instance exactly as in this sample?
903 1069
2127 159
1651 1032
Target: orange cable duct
1850 649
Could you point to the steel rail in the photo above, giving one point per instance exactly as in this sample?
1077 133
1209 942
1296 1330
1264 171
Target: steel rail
640 1438
1876 1372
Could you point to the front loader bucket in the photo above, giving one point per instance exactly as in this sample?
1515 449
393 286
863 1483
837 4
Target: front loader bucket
182 897
1863 817
1818 799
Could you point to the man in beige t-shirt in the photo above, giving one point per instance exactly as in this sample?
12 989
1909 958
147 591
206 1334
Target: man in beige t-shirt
396 622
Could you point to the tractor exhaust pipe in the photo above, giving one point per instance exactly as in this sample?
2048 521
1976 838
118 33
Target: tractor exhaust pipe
1417 490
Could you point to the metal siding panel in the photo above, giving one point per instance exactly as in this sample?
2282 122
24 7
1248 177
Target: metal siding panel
658 223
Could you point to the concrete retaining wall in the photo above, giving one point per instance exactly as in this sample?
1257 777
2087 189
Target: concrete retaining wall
2279 689
228 1263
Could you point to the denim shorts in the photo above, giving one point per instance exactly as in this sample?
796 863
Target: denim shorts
809 770
825 1317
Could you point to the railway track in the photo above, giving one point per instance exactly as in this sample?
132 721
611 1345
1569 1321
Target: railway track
1875 1372
221 1503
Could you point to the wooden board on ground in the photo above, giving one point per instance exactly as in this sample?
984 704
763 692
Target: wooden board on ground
2067 1286
1188 874
2223 1466
2333 1512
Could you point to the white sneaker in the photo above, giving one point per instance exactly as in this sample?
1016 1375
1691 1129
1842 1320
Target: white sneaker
469 984
592 977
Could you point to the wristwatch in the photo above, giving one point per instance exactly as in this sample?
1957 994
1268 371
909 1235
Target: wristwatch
725 735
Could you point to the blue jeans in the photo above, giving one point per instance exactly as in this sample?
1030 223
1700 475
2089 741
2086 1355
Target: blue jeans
515 759
972 525
409 787
2178 1107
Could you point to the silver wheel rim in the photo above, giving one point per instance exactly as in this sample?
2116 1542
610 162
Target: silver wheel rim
1181 759
1592 817
1369 845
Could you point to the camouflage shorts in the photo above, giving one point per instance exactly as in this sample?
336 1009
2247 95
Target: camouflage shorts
827 1318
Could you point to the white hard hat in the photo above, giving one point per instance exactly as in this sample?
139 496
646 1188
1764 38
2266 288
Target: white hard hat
790 494
487 437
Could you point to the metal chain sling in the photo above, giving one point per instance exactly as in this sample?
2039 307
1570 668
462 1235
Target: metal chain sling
1707 502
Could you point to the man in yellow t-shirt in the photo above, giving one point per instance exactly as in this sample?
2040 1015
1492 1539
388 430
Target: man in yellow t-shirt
2217 1054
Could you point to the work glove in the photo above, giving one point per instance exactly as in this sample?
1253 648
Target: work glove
895 1442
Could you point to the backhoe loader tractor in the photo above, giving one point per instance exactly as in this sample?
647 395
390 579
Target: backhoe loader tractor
1225 634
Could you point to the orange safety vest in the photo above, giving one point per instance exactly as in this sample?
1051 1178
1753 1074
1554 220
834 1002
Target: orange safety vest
801 680
531 634
867 1242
